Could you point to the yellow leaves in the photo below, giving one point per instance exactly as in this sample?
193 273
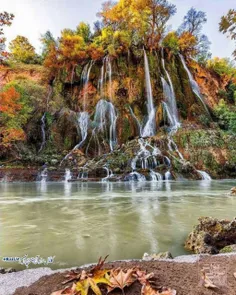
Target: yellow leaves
187 42
88 281
110 279
121 279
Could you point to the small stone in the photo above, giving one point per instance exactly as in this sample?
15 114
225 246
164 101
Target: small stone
2 270
233 191
10 270
161 255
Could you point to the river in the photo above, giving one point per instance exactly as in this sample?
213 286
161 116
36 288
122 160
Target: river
79 222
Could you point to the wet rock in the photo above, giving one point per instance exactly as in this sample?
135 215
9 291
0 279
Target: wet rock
7 270
233 191
228 249
161 255
211 235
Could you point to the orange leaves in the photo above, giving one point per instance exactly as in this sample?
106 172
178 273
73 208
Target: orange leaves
9 101
148 290
110 279
187 42
67 290
121 279
88 281
11 135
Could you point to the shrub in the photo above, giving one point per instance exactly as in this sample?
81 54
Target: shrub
226 116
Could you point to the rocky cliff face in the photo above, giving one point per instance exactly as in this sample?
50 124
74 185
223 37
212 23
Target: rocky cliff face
105 106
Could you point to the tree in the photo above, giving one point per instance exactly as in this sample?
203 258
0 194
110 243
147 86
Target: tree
171 42
193 21
145 20
192 27
9 107
228 25
223 67
47 41
22 51
188 43
203 49
84 31
5 20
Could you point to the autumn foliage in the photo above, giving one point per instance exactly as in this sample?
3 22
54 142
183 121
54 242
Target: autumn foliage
9 102
9 107
110 279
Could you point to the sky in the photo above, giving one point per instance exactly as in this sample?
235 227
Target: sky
35 17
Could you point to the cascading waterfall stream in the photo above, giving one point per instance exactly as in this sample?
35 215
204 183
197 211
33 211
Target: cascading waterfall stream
169 94
194 84
150 126
146 159
105 117
68 175
43 126
204 175
109 174
44 175
43 120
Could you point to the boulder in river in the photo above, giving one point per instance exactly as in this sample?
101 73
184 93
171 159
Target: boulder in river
211 235
161 255
233 191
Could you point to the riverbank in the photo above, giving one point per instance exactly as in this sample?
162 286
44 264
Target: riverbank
183 274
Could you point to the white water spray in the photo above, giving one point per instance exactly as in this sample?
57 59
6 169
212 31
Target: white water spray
194 84
150 127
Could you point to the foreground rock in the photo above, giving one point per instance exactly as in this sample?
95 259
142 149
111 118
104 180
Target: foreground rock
211 235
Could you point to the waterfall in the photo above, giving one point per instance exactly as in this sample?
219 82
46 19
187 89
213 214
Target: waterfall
150 127
43 125
155 176
194 84
137 121
83 122
43 122
44 175
204 175
109 174
135 176
105 118
168 176
170 105
169 94
68 175
173 147
85 81
83 117
101 80
109 75
145 158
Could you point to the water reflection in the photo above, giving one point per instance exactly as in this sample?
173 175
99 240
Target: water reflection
79 222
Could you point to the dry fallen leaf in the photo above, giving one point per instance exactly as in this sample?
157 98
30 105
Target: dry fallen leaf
71 276
67 290
206 281
168 292
142 276
121 279
88 281
148 290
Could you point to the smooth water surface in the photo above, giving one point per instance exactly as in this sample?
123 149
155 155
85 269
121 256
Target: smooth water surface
79 222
